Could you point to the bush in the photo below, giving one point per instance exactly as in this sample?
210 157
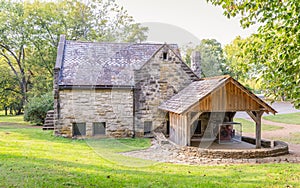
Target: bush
37 107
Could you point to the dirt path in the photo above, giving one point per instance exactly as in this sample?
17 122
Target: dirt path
283 133
278 134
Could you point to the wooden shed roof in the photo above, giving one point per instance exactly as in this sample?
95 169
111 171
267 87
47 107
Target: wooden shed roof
202 89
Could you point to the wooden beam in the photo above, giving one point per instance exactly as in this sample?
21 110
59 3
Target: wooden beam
256 116
251 115
194 118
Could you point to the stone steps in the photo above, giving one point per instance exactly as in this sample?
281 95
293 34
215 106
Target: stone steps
49 121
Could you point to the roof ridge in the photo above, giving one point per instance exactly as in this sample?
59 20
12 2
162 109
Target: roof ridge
216 77
98 42
128 43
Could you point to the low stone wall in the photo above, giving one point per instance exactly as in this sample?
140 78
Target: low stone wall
280 148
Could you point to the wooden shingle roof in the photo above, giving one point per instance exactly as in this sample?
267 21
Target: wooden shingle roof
199 90
191 95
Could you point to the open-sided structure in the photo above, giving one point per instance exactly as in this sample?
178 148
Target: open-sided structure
199 109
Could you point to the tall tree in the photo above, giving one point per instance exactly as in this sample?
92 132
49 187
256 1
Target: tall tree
29 34
238 62
277 48
212 59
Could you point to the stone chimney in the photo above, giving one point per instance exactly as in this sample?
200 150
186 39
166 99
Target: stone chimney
196 63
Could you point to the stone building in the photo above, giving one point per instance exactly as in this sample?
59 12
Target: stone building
133 89
115 89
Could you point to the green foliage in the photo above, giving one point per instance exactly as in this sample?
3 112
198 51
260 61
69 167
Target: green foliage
10 95
275 49
238 63
212 59
31 157
37 108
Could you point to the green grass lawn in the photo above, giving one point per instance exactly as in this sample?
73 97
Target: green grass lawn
30 157
13 119
293 118
249 126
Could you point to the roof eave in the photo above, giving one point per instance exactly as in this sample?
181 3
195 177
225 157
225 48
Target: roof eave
62 87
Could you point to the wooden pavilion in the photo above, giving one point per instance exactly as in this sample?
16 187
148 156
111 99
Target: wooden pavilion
206 103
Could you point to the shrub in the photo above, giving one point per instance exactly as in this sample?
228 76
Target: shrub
37 107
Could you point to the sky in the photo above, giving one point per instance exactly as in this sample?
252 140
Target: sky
178 21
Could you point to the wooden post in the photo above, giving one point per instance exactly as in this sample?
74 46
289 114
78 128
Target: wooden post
258 131
256 116
188 132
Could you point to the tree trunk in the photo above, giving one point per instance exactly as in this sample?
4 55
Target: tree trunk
5 110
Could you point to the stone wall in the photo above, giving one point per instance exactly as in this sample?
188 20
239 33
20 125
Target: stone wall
112 106
280 148
158 80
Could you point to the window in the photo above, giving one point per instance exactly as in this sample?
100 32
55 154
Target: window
165 55
79 129
99 128
147 127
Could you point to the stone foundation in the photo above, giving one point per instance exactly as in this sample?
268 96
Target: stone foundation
280 148
114 107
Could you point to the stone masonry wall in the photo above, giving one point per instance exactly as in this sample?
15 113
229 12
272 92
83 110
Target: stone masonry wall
159 79
112 106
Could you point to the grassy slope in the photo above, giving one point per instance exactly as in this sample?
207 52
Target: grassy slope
292 118
30 157
249 126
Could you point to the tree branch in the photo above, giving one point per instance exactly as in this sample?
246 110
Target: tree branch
10 65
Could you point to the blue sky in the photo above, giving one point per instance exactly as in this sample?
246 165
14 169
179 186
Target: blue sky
185 21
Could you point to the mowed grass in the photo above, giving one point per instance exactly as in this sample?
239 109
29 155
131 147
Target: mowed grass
249 126
292 118
30 157
13 119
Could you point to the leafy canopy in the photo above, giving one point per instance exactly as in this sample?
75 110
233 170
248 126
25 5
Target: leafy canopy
275 48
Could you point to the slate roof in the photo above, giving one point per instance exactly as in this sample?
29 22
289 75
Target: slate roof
192 94
109 64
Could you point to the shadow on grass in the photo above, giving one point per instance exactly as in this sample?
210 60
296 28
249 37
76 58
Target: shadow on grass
107 148
41 172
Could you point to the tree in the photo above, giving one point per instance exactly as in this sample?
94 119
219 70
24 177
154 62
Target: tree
277 49
238 64
37 107
9 91
212 59
30 30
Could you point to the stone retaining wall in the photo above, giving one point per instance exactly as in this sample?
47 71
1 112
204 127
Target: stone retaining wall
280 148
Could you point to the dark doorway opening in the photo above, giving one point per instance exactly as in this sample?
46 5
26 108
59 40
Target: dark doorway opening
168 125
198 127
